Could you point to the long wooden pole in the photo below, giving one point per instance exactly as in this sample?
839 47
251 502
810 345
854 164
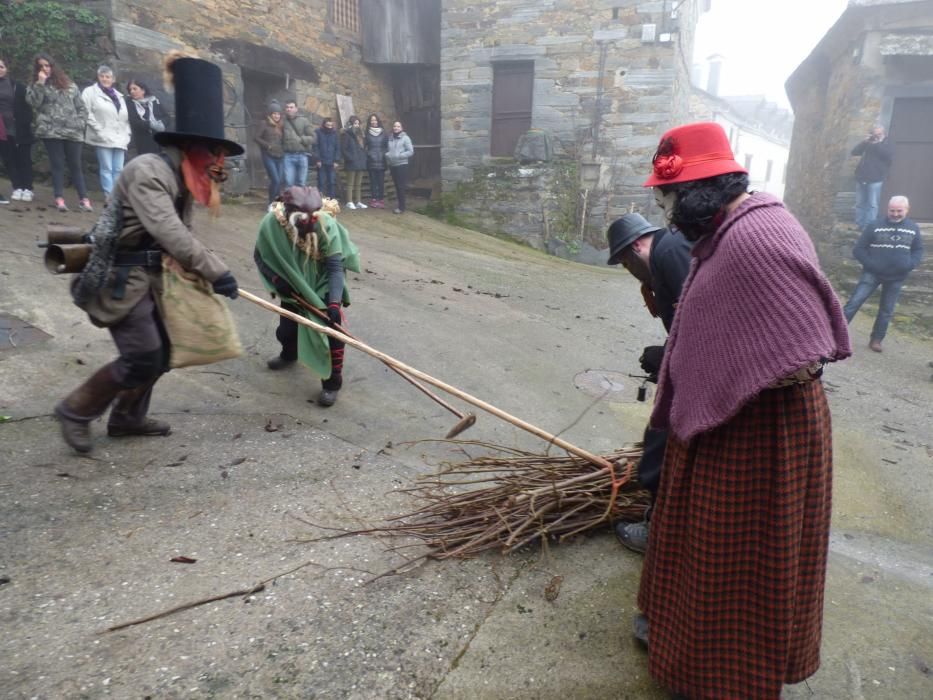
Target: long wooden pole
479 403
411 380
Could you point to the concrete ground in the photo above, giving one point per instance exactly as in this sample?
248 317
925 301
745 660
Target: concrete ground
87 542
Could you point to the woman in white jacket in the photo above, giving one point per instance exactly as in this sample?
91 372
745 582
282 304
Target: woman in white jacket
108 126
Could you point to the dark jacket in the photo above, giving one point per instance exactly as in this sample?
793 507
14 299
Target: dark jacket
888 250
354 155
18 124
876 161
376 147
297 135
141 126
327 146
669 262
270 139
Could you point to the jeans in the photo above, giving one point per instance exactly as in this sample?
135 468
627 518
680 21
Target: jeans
890 291
327 180
400 178
110 162
296 169
867 195
17 159
377 184
275 169
59 151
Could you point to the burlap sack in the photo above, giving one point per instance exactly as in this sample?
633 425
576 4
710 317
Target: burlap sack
198 322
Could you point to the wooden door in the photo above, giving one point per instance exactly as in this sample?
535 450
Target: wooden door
912 171
512 97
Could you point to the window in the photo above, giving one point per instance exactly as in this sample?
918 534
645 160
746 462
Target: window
512 95
748 163
346 14
768 171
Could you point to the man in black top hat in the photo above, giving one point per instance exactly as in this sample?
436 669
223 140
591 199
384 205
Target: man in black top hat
151 211
660 260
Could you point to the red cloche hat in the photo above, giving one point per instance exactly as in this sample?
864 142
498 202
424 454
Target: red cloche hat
692 152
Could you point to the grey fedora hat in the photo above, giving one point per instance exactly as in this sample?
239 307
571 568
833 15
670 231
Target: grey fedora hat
625 231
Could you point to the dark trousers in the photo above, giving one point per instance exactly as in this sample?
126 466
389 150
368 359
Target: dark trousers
17 159
327 180
287 335
400 178
59 151
377 184
649 467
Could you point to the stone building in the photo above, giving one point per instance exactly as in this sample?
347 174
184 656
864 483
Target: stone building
874 66
552 110
309 50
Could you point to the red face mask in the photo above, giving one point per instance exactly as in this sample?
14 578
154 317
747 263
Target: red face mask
203 172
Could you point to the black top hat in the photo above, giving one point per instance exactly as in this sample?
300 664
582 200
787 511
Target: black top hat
625 231
199 105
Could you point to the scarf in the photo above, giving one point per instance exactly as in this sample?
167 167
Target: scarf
375 130
145 108
755 309
300 262
112 94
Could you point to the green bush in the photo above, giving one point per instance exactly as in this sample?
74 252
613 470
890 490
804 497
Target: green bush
74 36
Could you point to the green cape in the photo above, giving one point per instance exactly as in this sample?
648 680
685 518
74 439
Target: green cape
308 277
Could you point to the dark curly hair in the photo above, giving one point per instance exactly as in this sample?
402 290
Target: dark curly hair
700 205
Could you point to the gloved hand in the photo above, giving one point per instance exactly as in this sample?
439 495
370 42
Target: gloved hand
333 313
651 358
226 285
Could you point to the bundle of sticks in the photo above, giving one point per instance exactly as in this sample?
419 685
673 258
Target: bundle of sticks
509 498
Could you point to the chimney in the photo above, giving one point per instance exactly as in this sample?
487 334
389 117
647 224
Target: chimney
715 73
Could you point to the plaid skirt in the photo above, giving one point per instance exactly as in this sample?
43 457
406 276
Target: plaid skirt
733 578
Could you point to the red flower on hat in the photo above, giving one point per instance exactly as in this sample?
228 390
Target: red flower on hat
668 167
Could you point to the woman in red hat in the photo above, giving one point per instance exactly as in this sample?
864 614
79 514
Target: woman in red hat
732 587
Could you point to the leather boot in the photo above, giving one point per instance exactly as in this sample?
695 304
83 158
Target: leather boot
83 405
128 416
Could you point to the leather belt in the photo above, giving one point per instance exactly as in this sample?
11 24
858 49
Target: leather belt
139 258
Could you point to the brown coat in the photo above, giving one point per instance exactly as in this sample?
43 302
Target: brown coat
148 188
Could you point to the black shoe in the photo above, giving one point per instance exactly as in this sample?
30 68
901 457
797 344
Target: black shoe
327 398
277 363
633 535
640 628
149 427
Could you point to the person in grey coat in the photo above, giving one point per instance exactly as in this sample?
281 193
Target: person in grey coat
397 155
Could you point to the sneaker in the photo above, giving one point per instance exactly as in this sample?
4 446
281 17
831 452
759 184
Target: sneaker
60 204
327 398
85 205
4 200
27 195
396 211
874 345
277 363
633 535
382 204
640 628
351 205
17 195
374 203
360 205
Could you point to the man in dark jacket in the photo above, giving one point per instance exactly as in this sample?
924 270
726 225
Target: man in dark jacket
888 251
660 260
870 174
326 154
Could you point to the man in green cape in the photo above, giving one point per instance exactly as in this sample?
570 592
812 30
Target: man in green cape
302 251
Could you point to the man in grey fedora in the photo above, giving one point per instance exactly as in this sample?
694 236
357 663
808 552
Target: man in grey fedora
660 259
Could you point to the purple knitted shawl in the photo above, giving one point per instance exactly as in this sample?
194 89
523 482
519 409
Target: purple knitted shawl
755 308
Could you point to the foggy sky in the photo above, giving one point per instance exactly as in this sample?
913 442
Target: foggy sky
763 41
